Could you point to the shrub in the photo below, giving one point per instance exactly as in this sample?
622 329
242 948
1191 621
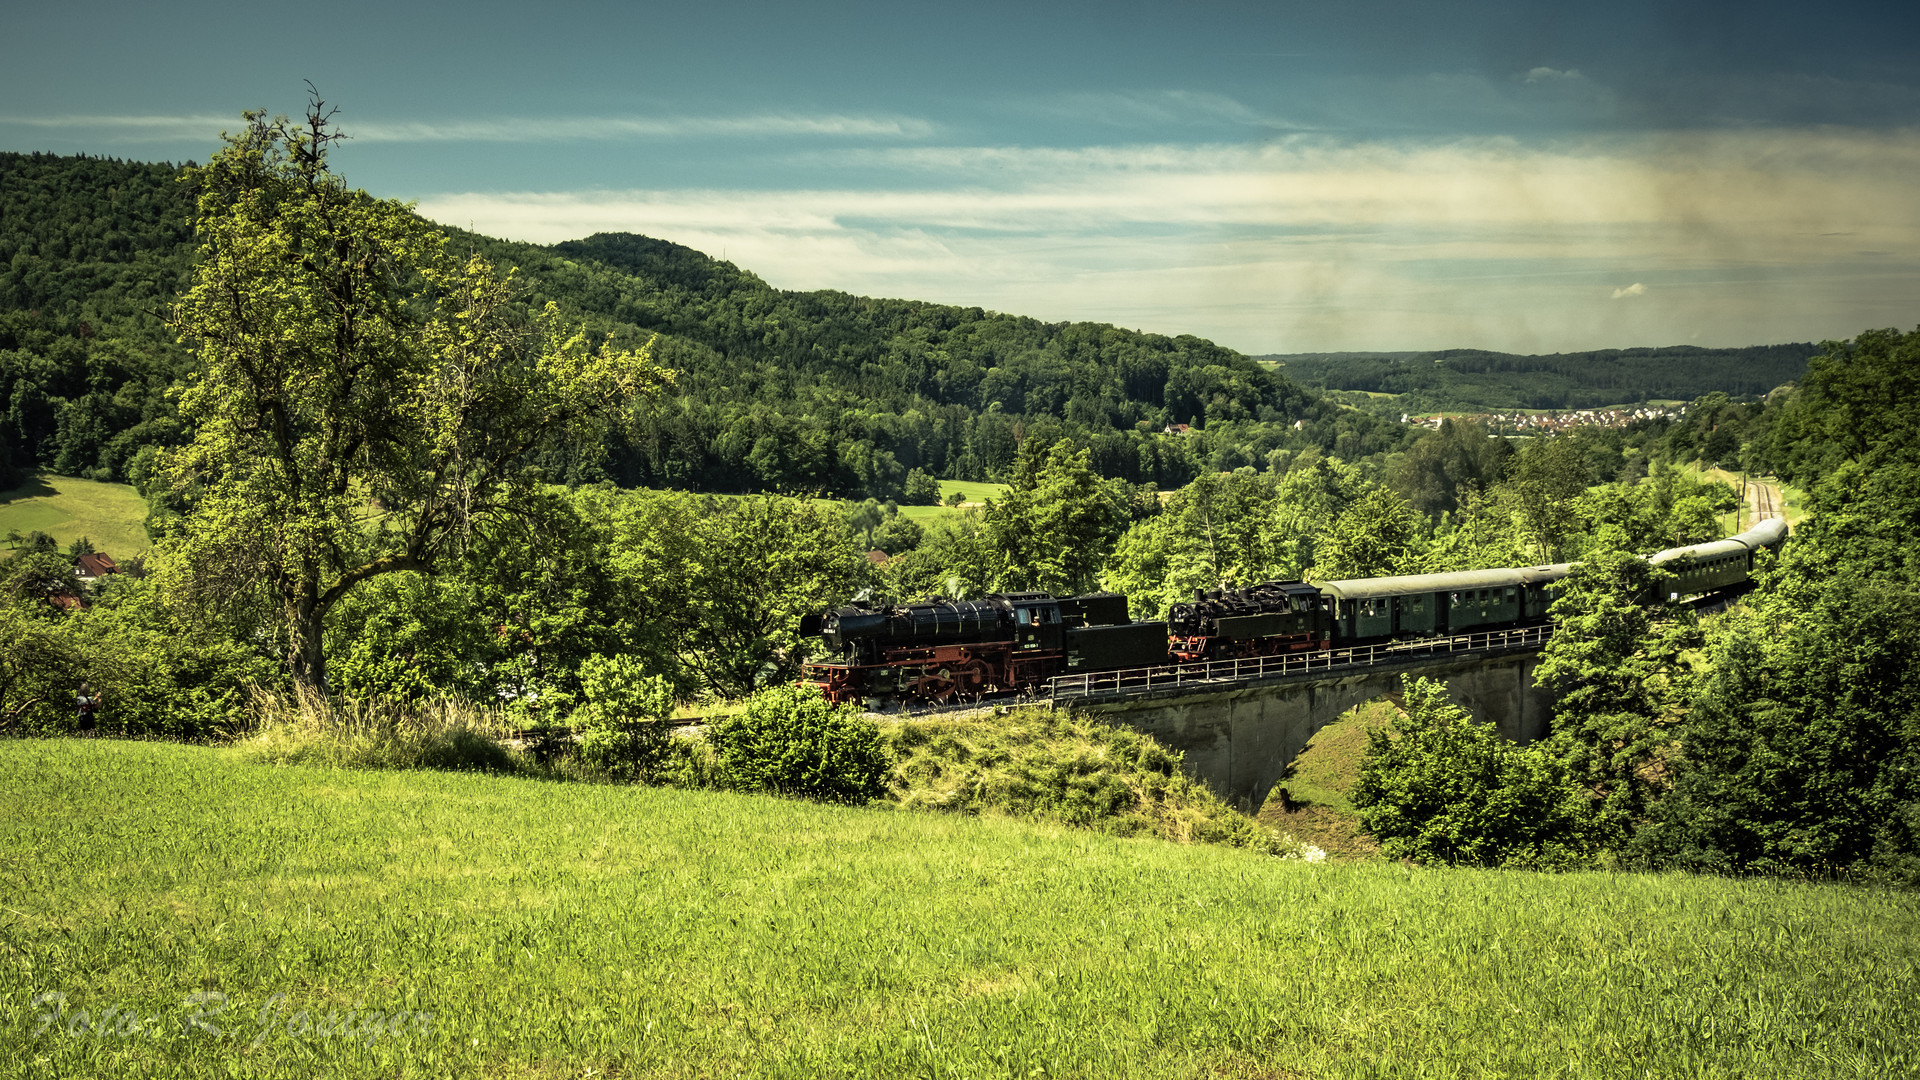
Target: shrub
1443 787
157 676
621 725
789 740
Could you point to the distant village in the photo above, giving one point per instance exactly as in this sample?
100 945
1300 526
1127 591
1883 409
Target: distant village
1553 420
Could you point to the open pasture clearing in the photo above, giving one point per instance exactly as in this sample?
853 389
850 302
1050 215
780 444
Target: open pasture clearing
111 515
549 929
974 491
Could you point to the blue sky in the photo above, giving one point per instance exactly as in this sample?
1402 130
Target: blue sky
1278 177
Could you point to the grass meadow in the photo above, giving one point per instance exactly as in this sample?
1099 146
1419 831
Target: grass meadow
976 494
111 515
349 923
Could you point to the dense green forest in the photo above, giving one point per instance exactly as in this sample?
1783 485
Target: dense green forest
1474 380
777 390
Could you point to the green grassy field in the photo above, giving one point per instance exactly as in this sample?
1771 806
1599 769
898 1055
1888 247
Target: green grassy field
411 924
110 515
976 494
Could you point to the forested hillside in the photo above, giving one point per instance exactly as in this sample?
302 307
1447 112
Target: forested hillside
778 390
1472 379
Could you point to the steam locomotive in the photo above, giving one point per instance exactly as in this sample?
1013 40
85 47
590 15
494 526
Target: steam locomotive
937 651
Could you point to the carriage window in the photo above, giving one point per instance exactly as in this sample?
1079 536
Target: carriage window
1023 616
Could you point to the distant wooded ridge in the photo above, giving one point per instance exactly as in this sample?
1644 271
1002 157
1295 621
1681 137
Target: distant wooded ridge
1478 379
778 390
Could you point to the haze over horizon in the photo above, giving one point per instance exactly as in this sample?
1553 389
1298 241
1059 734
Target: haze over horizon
1277 177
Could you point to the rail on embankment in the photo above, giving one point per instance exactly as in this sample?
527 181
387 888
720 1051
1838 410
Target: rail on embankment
1099 686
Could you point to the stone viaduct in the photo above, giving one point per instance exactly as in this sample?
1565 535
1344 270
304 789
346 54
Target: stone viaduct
1240 734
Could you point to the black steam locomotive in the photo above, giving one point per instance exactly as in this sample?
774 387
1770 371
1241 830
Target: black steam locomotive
937 651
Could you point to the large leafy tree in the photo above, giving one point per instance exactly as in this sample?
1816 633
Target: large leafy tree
1053 528
1444 466
1618 663
1378 536
364 396
1212 533
754 567
1544 480
1439 786
1480 535
1802 754
1860 400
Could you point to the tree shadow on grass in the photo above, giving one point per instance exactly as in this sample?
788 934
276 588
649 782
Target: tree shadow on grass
1332 829
35 487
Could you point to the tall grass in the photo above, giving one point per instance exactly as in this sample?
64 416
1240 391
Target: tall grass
381 734
1030 762
1054 765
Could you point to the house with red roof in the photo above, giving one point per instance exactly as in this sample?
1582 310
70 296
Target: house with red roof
94 566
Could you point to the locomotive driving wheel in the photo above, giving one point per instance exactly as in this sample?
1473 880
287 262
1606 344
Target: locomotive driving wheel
963 680
970 679
934 686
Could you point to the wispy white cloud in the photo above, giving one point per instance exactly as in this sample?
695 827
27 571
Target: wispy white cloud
1125 108
1311 244
516 129
132 128
531 129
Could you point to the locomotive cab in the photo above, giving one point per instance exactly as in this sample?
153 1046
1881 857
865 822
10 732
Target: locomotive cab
1036 622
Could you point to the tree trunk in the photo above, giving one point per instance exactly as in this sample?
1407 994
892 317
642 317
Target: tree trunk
308 659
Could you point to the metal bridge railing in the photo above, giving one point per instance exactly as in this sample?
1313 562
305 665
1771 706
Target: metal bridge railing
1166 676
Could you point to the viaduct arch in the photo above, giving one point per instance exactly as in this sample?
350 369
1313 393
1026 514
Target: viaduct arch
1239 738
